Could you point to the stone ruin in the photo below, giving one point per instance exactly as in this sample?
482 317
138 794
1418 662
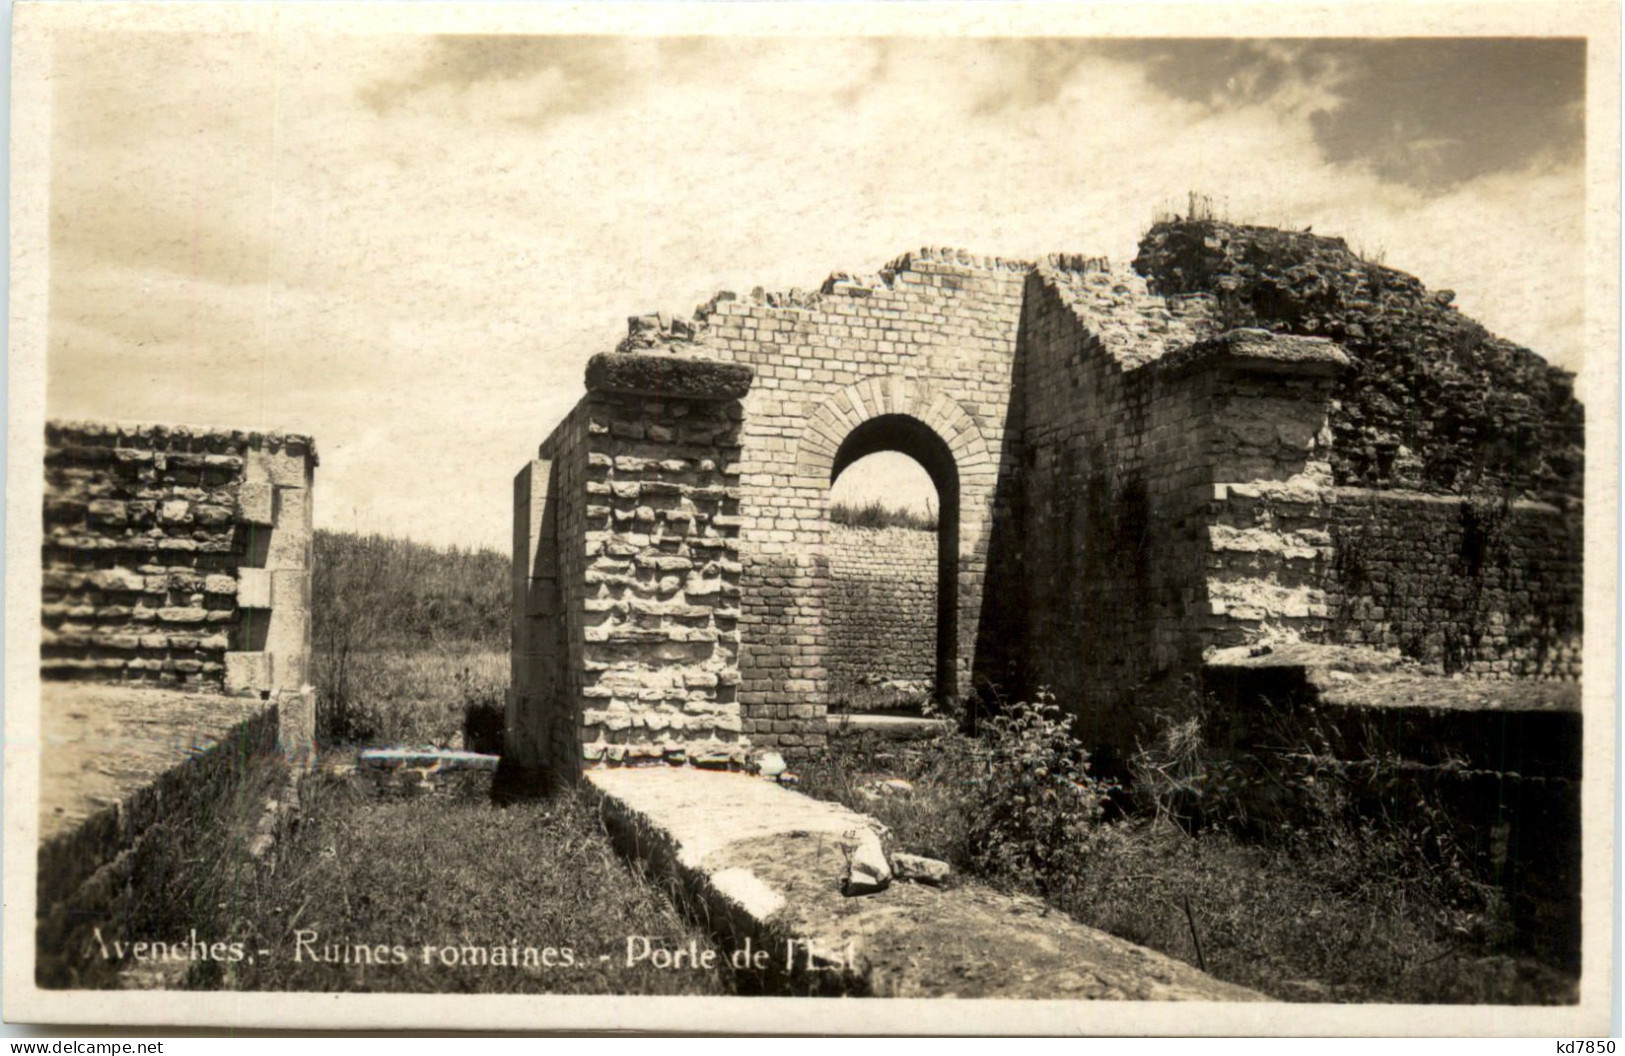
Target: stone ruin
1251 474
1248 439
175 638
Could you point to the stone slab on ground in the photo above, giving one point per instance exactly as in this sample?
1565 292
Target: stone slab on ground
101 743
890 727
1354 676
408 772
436 758
766 863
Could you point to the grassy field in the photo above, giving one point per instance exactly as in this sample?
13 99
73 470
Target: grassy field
410 642
403 697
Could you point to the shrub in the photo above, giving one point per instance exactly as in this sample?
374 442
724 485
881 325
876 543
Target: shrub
1039 811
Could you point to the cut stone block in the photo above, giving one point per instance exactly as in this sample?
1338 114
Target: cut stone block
290 589
256 504
248 671
253 588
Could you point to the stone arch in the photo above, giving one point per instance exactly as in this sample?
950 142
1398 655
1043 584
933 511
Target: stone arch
830 425
905 414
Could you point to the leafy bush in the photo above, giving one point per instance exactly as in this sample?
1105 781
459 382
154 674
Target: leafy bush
1039 810
1332 905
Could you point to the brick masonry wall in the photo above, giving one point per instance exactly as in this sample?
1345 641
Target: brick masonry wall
177 555
931 337
881 605
629 650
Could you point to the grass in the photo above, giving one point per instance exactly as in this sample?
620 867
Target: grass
460 876
464 879
373 592
395 697
191 870
359 880
1353 917
875 514
410 642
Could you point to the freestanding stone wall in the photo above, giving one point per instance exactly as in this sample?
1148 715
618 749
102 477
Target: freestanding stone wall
1253 438
881 608
177 555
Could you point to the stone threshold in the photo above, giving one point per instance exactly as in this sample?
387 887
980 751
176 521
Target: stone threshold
762 866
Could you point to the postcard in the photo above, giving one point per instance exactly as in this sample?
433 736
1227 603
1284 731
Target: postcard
908 518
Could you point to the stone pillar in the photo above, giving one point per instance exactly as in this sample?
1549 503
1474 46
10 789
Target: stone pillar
271 654
626 577
533 628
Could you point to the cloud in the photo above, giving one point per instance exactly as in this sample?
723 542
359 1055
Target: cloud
562 75
1428 113
414 266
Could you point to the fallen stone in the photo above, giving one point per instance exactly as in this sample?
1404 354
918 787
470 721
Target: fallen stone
920 870
867 870
771 764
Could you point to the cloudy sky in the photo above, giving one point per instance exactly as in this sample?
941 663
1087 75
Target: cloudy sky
410 245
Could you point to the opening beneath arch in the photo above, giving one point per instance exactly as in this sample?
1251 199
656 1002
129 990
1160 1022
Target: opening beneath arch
891 604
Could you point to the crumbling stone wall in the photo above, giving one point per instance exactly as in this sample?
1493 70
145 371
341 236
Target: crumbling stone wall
880 608
1472 585
177 555
1433 402
626 635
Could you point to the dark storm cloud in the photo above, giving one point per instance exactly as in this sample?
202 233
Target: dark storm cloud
1431 113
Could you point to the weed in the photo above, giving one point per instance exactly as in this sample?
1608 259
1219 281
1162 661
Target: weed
1039 809
1355 900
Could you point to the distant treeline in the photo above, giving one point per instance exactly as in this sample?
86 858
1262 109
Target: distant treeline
375 591
876 515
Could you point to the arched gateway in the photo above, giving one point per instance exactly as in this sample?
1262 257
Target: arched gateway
1125 484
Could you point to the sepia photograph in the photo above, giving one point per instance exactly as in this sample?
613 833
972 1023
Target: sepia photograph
813 518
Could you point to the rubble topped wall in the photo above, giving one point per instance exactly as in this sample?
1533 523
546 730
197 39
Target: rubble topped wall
1434 402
